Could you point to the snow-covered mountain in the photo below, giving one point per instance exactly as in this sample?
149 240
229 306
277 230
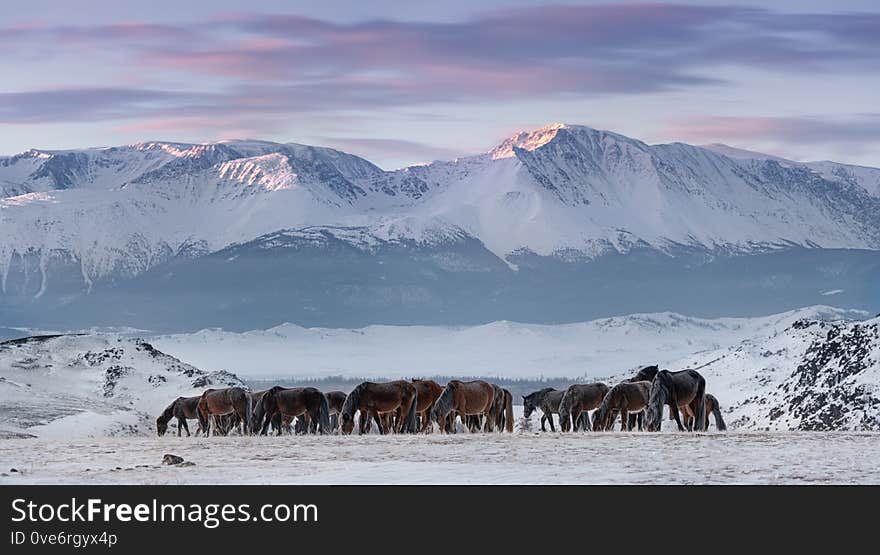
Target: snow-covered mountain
73 221
92 385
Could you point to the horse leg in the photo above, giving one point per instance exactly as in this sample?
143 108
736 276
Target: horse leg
624 420
181 423
378 420
544 421
674 410
267 420
576 419
363 422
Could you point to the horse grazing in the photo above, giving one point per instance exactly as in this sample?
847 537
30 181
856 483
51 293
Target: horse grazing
625 398
428 392
577 400
474 398
713 407
297 401
336 399
677 390
547 400
182 408
375 399
219 402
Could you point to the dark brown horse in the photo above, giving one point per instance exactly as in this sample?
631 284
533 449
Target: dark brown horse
677 390
578 399
297 402
183 409
375 399
624 399
428 392
218 402
335 399
713 407
467 399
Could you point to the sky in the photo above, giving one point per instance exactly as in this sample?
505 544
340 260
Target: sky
408 82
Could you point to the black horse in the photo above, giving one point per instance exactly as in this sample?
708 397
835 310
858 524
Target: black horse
677 390
547 400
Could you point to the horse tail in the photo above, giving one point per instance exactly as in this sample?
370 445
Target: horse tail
716 411
565 410
324 414
508 411
204 417
410 425
248 415
700 416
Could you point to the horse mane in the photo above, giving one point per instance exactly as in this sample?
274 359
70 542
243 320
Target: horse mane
444 402
665 379
565 403
604 406
541 393
353 399
168 413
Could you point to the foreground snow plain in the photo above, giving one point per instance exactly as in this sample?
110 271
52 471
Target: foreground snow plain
519 458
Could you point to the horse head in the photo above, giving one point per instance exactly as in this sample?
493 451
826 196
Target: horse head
444 403
349 407
529 404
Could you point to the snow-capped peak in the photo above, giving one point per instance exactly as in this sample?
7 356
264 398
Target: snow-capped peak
527 140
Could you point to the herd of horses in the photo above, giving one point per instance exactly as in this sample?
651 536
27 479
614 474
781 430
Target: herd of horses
414 406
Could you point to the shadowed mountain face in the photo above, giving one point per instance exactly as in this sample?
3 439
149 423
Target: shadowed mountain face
561 224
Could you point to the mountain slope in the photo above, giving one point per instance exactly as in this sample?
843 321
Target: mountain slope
95 385
810 375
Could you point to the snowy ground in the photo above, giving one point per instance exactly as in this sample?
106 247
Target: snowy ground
528 458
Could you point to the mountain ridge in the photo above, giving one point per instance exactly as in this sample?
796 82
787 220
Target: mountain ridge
74 220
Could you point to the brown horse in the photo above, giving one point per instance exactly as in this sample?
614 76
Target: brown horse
677 390
218 402
712 406
376 399
297 401
467 399
625 398
578 399
182 408
335 399
428 392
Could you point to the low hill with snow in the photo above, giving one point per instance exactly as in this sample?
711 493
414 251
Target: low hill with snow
91 385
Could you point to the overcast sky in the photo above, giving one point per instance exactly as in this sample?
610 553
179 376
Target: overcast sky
406 82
